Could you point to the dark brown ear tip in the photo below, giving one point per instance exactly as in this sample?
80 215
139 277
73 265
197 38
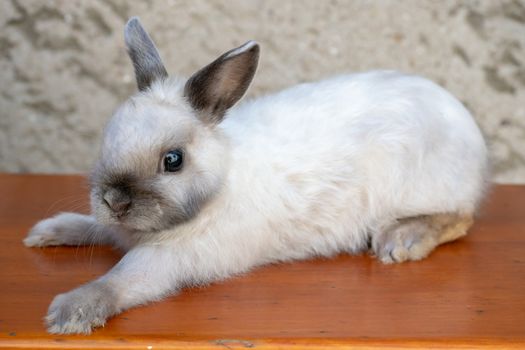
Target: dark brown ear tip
250 43
251 47
256 49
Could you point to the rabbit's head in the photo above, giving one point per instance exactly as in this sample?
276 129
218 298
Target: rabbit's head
163 154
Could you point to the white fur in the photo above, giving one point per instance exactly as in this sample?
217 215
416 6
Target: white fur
310 171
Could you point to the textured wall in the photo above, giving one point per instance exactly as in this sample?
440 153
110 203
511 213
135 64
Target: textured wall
63 65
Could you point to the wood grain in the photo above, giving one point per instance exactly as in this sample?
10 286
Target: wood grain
469 293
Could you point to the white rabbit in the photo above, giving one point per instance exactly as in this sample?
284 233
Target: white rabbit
196 190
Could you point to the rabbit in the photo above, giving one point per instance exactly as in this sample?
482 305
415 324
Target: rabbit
195 188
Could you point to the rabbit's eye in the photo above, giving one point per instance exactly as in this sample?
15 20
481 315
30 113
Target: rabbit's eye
173 160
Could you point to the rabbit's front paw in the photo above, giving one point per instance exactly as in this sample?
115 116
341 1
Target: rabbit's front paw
44 233
63 229
81 310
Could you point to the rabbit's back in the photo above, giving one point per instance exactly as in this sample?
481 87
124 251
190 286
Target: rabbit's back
401 140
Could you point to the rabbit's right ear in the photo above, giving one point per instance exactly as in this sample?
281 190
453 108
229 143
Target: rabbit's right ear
144 55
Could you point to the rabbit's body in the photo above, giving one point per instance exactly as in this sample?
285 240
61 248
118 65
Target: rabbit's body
376 160
317 167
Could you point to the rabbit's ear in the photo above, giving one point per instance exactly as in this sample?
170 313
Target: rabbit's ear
219 85
144 55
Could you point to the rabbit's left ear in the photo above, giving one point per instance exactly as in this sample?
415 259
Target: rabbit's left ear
144 55
219 85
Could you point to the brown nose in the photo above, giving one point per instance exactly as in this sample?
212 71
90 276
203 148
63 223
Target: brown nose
118 201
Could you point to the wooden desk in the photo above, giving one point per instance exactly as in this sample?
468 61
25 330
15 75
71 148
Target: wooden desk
470 293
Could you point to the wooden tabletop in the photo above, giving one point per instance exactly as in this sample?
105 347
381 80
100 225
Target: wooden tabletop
470 293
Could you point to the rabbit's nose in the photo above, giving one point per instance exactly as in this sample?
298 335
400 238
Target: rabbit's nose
118 201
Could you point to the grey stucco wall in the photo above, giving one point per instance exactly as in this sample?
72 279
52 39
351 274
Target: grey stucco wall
64 69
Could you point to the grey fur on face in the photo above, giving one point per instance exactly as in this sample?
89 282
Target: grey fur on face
150 210
144 55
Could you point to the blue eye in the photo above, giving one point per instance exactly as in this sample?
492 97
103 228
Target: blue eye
173 160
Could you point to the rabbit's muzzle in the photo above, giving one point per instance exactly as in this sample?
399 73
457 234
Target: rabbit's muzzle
118 201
